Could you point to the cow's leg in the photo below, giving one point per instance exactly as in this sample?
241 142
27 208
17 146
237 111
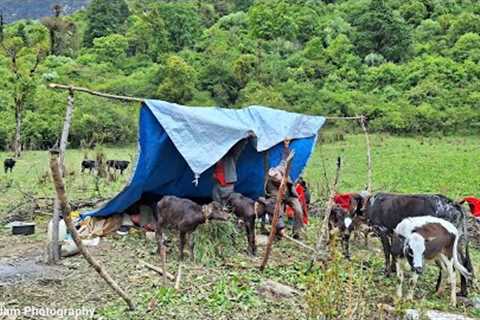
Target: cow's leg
453 279
263 228
386 250
191 246
400 280
346 245
181 245
250 230
413 285
441 277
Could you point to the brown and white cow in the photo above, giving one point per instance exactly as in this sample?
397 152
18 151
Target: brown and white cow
417 239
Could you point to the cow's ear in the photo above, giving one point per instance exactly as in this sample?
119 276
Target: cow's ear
359 203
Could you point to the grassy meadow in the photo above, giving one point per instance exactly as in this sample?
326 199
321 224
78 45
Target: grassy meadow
226 288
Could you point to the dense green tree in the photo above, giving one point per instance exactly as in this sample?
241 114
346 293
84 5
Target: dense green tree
104 18
111 48
179 80
380 30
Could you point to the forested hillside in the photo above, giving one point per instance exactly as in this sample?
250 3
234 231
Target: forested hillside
14 10
411 66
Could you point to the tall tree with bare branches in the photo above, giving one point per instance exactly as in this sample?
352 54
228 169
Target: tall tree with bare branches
24 46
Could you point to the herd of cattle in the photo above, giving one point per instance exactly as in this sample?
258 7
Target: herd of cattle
90 165
412 229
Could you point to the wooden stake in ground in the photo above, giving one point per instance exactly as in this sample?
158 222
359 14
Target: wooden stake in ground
53 249
65 208
324 233
363 123
278 207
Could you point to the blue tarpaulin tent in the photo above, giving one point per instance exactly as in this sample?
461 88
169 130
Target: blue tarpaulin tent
179 145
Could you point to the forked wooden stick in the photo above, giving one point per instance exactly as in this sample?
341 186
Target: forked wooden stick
65 207
278 207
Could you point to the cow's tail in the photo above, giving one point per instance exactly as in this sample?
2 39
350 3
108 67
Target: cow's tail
467 261
458 265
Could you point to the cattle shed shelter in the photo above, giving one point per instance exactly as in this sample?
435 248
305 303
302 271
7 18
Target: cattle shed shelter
178 147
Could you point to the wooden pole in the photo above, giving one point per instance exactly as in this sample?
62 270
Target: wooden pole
324 232
278 207
53 249
61 195
95 93
344 118
363 123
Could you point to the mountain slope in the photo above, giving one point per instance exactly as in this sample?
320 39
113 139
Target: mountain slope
14 10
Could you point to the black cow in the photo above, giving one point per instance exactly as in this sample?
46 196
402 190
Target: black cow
384 211
88 165
185 216
118 165
8 164
244 209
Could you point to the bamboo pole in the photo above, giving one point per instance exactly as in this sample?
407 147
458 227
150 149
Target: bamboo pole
95 93
158 270
299 243
61 195
363 123
276 212
53 247
344 118
324 233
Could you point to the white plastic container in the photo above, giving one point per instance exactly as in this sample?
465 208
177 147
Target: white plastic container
62 230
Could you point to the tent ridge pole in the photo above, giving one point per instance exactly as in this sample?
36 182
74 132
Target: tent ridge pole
95 93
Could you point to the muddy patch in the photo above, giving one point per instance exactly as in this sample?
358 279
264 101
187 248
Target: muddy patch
29 269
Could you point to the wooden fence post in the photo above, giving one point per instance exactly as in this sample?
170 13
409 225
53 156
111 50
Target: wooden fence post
53 249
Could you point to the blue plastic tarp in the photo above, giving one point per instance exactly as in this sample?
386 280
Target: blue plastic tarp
179 145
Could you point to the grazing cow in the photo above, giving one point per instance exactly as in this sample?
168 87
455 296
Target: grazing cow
430 238
185 216
121 165
88 165
8 164
244 210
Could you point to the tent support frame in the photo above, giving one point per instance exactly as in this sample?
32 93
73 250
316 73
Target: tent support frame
362 119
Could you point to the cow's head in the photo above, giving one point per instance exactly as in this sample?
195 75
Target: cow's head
215 211
341 220
411 248
264 207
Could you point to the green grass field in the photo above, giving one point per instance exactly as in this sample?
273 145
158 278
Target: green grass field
226 288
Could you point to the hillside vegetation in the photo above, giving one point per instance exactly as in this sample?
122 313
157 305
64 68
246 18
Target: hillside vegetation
411 66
